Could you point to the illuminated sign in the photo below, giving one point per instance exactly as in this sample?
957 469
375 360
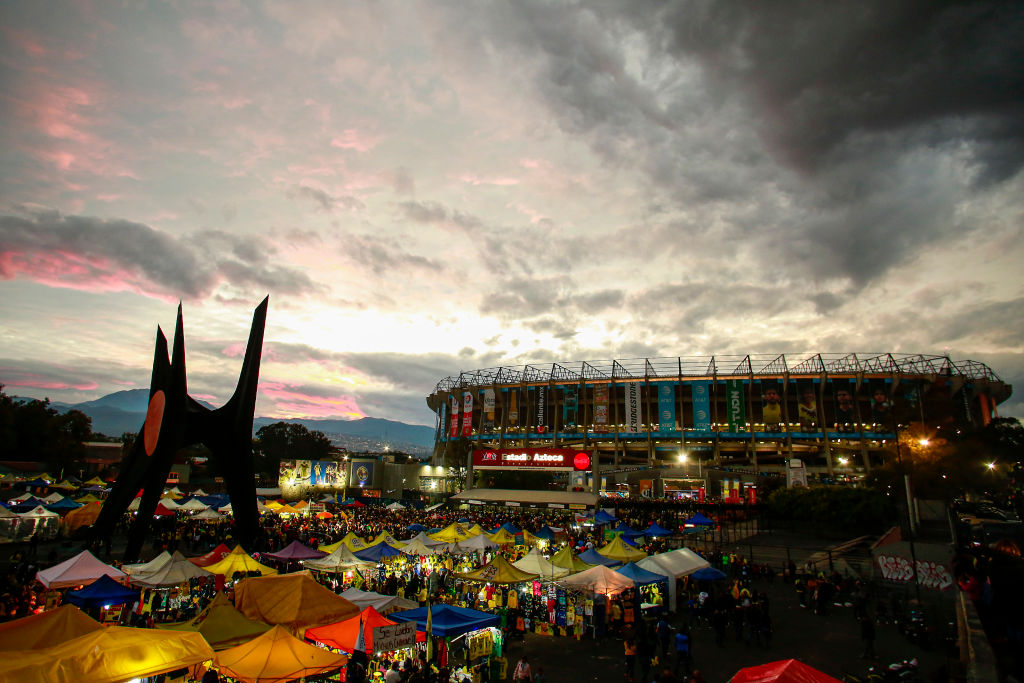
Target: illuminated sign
546 459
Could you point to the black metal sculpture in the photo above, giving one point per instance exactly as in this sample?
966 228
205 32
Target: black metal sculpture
174 420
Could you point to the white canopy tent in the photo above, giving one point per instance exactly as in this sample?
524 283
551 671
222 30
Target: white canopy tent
535 563
599 579
673 564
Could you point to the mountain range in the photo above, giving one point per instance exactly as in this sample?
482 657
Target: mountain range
125 411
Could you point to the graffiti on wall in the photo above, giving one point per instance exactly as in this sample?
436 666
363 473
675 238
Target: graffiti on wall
929 574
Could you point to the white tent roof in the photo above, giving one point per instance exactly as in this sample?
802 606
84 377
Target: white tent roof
675 563
200 492
38 512
136 502
340 560
478 542
53 498
7 514
169 503
535 563
599 579
395 506
146 567
81 569
425 540
18 499
208 513
418 547
382 603
177 570
193 504
226 510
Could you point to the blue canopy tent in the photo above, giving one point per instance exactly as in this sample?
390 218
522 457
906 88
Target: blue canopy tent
546 533
103 591
700 520
641 576
447 620
27 505
627 531
37 482
464 520
654 530
602 517
415 528
708 574
63 504
377 552
511 528
591 556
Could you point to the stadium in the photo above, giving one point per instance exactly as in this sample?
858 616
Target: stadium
832 413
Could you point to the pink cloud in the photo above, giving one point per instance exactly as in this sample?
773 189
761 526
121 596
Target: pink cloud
289 401
474 179
352 139
24 41
52 385
238 350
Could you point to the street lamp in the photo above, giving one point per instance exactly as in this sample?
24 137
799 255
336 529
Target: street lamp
990 465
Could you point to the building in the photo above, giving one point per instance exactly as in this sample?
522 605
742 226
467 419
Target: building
753 413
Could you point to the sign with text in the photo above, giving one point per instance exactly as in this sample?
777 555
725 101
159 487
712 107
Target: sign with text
545 459
395 637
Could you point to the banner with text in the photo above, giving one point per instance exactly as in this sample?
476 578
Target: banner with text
549 459
513 407
701 405
541 404
736 404
666 406
489 410
634 416
601 408
467 413
453 428
394 637
568 408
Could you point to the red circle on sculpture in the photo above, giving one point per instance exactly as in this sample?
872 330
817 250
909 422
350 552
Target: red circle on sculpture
581 461
154 418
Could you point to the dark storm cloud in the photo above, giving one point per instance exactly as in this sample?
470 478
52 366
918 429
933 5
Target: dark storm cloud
837 139
327 201
88 252
998 323
384 255
525 297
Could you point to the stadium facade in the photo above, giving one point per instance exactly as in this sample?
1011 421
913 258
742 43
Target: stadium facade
755 412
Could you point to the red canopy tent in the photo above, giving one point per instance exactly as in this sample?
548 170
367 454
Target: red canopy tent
782 671
212 557
343 634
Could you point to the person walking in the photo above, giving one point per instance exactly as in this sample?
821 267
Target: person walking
522 673
629 649
682 653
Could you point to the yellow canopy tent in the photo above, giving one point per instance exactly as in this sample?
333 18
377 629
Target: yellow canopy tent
221 625
88 498
79 517
95 481
295 601
276 656
287 510
109 655
66 485
330 547
46 629
239 561
451 533
617 549
567 558
502 537
385 537
273 505
498 570
474 530
354 542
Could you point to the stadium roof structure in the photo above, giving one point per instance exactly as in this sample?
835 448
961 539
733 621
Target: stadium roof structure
810 364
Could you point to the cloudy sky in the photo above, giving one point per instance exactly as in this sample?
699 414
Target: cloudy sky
427 187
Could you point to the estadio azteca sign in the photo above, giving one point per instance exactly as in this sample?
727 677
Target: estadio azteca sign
548 459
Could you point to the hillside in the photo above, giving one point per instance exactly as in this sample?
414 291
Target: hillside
124 411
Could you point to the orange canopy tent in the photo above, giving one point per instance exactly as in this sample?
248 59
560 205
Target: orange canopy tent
276 656
79 517
295 601
46 629
782 671
221 625
343 634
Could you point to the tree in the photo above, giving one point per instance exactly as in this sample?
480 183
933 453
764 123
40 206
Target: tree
288 441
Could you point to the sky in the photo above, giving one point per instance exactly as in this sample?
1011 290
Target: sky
429 187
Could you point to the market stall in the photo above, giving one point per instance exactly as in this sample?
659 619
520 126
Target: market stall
46 629
276 656
221 625
80 570
295 601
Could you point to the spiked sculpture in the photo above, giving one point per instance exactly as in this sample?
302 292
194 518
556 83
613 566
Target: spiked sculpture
174 420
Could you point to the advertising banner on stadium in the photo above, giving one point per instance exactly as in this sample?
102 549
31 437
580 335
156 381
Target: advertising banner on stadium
701 405
736 404
845 408
453 428
362 473
807 406
634 413
569 408
513 407
771 407
881 405
541 405
302 478
546 459
601 408
666 407
467 413
488 410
